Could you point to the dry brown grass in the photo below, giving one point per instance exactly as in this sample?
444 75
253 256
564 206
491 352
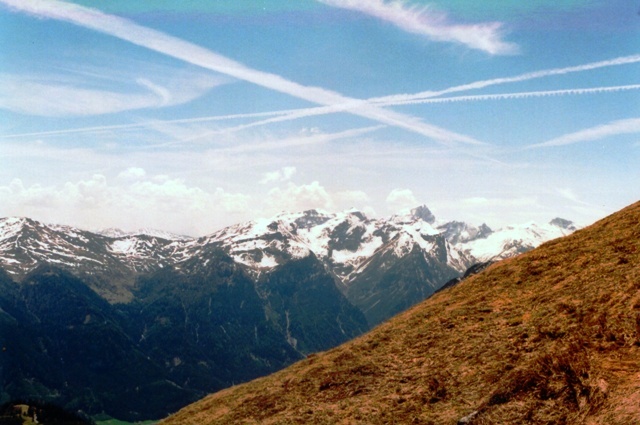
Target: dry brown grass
550 337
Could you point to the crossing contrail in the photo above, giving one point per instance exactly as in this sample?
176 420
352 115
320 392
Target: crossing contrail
516 95
157 41
291 114
623 60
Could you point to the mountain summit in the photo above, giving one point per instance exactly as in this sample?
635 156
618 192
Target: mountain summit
551 336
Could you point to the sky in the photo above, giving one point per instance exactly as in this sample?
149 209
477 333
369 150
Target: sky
190 116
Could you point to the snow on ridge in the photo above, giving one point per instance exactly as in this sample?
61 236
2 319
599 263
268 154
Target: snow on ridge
411 215
10 227
344 241
511 240
261 238
124 246
366 250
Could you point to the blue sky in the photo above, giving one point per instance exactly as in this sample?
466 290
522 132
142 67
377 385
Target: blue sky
188 116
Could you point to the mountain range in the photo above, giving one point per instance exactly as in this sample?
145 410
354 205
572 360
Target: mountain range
549 337
362 254
139 324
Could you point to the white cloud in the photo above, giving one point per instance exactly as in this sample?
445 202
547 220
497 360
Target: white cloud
165 203
132 173
613 128
434 25
299 198
33 196
293 197
399 199
57 96
281 175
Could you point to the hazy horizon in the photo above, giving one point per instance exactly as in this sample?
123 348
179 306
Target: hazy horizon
191 117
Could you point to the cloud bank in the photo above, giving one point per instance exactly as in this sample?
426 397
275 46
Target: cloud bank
157 201
400 199
284 174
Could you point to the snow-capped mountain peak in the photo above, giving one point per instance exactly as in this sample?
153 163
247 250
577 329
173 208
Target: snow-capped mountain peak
11 226
344 242
421 213
515 239
460 232
264 243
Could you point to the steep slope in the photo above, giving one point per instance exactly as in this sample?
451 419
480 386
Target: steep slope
180 318
62 342
551 336
382 266
305 304
208 329
190 329
405 271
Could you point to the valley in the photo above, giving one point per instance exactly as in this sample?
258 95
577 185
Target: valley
102 321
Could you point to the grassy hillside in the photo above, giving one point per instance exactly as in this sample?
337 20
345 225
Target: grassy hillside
552 336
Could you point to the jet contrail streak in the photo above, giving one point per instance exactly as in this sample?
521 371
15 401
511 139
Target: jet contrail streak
613 128
98 129
188 52
623 60
291 114
516 95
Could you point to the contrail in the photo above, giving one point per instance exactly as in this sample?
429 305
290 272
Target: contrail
516 95
288 116
308 112
624 60
188 52
292 114
612 128
97 129
433 96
